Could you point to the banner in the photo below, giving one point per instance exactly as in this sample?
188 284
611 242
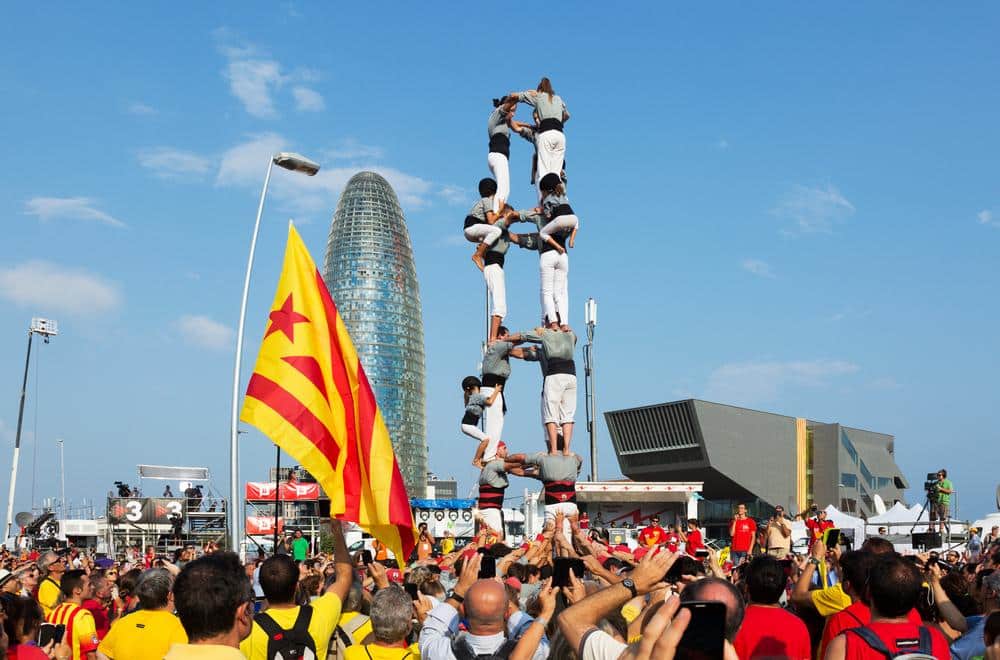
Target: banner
145 510
263 525
292 491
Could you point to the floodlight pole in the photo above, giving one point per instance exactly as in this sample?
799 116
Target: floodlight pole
294 163
47 329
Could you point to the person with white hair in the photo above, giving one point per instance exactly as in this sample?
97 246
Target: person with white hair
392 621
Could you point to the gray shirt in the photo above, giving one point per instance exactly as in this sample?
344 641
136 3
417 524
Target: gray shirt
476 405
502 244
496 361
551 202
556 344
441 626
497 123
494 475
545 107
555 467
481 208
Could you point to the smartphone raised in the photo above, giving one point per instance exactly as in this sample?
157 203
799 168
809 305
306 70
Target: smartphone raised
412 590
50 632
701 553
488 567
831 537
705 635
562 568
366 557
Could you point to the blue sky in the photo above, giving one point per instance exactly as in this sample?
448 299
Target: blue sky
790 208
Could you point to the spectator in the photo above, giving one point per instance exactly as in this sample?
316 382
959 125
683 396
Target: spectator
767 630
692 538
149 632
22 619
894 586
652 534
354 626
817 524
743 532
279 576
52 568
973 644
81 634
484 603
300 546
214 601
778 535
392 617
97 605
854 567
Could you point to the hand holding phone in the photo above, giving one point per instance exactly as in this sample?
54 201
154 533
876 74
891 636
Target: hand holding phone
488 567
50 633
705 635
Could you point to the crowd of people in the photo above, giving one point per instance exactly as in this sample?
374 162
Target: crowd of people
558 595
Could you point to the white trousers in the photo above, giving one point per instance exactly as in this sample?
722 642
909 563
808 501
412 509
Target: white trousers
500 167
559 397
554 272
551 149
474 433
568 509
494 423
493 518
566 223
482 233
497 287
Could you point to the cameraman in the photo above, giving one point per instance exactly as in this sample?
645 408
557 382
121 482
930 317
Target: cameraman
941 504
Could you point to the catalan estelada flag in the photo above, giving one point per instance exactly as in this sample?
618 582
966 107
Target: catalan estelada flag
310 395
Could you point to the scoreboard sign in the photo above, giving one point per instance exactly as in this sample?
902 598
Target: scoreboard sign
145 510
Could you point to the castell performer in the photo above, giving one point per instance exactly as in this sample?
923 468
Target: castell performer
558 473
496 371
558 384
558 213
492 486
475 403
499 155
550 110
480 223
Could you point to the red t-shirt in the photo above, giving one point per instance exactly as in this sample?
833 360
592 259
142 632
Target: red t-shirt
855 616
771 632
652 535
100 613
694 542
817 527
892 634
743 535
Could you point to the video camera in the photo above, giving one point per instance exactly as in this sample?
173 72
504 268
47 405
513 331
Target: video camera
931 485
123 489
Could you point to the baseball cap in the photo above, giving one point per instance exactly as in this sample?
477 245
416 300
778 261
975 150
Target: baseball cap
513 582
5 576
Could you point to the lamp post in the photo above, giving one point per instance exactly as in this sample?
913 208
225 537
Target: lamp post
46 328
295 163
590 317
62 482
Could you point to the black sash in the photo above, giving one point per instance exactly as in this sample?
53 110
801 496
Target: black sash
500 144
550 124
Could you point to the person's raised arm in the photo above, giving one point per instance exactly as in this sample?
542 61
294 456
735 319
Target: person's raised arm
943 603
575 621
532 637
342 563
801 595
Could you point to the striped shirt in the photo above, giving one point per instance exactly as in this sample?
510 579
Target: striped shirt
81 632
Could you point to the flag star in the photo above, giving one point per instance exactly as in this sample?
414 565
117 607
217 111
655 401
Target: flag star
284 319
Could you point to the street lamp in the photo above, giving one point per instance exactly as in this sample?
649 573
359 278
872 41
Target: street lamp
590 317
295 163
45 328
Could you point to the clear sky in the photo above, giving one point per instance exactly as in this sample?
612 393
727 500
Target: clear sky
787 207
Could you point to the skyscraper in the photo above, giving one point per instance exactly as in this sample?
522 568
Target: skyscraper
370 273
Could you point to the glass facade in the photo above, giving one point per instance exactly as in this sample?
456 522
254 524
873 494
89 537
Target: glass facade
370 272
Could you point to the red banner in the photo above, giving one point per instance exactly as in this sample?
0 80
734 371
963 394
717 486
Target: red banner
263 525
292 491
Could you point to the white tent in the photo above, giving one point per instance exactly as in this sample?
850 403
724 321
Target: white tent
846 521
898 520
987 523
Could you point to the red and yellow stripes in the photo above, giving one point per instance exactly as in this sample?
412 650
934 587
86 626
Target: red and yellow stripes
310 395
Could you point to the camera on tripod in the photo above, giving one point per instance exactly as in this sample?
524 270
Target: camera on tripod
931 486
123 489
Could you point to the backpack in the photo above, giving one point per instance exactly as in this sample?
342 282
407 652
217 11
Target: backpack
294 644
343 636
922 652
463 651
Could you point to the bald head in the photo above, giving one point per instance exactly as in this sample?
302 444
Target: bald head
486 607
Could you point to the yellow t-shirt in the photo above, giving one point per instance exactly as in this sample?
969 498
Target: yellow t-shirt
375 652
143 635
447 545
326 614
48 595
830 600
363 630
80 629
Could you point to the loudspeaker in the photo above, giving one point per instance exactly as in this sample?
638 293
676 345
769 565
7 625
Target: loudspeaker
926 540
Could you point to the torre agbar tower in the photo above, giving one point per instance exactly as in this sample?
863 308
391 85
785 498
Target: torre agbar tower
370 273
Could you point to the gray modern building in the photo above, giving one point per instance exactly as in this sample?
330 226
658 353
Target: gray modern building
758 458
370 272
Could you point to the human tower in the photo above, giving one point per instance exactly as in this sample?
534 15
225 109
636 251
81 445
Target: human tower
553 342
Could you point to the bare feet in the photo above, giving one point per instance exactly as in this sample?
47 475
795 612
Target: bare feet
478 260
